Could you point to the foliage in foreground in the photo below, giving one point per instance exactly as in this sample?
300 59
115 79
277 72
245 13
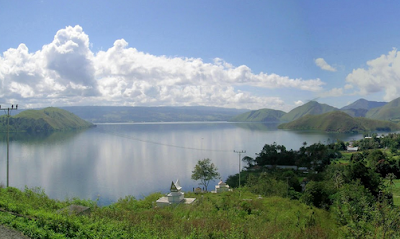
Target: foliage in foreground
238 214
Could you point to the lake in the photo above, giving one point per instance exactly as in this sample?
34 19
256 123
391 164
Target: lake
112 161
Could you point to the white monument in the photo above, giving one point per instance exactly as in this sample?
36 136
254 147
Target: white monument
221 187
175 196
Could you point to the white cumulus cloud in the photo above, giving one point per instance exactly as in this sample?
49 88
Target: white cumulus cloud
335 92
382 74
298 103
67 72
320 62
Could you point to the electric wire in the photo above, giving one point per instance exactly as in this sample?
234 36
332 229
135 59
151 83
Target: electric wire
162 144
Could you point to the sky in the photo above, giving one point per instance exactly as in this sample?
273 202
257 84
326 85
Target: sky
232 54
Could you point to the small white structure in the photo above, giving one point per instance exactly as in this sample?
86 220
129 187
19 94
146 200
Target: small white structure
221 187
352 149
174 197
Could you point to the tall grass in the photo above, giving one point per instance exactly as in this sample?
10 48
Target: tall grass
239 214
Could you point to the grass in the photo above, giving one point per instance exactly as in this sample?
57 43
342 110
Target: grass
396 192
238 214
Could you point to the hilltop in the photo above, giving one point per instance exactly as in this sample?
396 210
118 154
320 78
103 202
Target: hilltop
338 121
364 104
310 108
44 120
273 116
359 108
390 111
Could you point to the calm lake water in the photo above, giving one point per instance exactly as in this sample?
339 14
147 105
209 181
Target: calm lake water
115 160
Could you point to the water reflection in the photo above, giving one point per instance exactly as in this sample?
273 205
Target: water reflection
258 126
115 160
40 137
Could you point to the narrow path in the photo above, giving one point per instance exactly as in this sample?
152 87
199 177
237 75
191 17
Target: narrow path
9 233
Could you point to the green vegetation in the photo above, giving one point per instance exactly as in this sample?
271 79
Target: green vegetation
359 190
355 112
205 171
262 115
390 111
239 214
317 191
45 120
311 108
338 121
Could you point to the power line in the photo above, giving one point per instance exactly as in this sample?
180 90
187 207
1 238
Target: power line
164 144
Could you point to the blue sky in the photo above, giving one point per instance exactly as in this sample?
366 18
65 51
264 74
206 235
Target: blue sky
241 54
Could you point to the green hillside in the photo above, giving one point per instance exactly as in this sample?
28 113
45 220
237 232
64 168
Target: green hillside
355 112
262 115
311 108
45 120
390 111
339 122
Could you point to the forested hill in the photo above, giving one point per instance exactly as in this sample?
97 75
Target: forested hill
310 108
119 114
390 111
262 115
45 120
339 122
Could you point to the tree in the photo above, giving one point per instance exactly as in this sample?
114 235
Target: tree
273 154
390 177
205 171
358 170
250 161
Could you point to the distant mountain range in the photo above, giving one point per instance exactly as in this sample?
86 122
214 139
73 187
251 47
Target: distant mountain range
364 104
361 115
338 121
360 107
123 114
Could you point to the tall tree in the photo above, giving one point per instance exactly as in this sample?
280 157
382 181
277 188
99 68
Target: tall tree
205 171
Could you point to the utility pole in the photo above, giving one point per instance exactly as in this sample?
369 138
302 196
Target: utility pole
7 110
240 159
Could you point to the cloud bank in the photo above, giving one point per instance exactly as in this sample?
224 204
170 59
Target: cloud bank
67 72
382 74
321 63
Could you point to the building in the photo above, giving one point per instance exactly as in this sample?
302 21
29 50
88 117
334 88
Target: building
174 197
221 187
352 149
